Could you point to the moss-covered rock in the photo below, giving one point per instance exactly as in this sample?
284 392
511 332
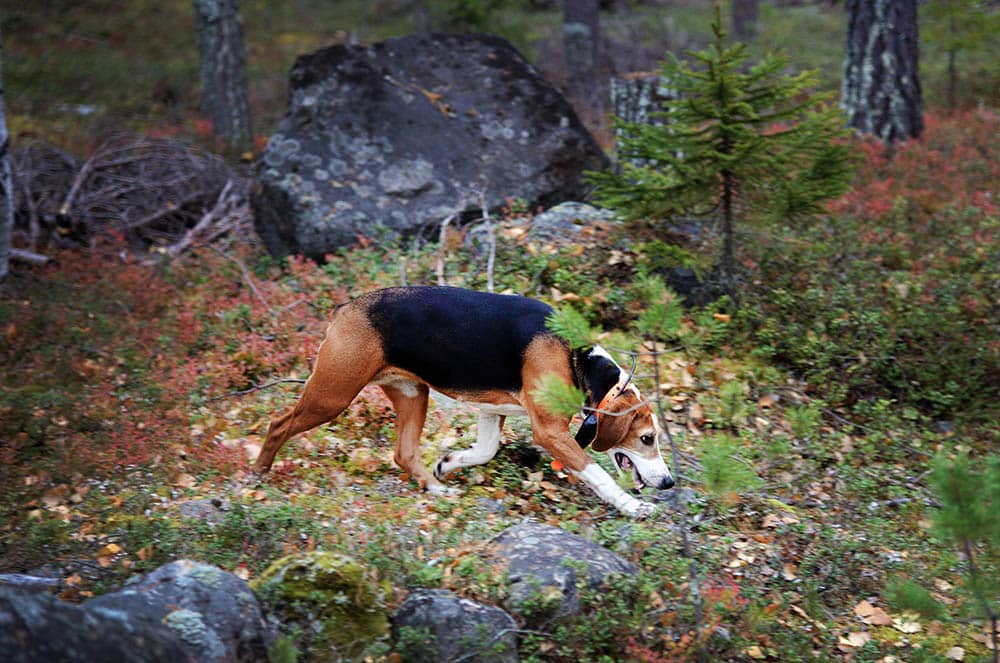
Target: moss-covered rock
326 599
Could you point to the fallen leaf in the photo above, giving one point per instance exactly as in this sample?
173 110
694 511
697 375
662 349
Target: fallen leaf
755 652
906 624
788 571
956 654
185 481
855 639
879 617
863 609
767 400
109 550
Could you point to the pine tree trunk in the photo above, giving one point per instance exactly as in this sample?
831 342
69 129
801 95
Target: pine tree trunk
881 89
223 70
6 185
745 14
952 71
582 49
728 241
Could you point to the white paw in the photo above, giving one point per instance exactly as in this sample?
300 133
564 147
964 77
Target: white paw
441 469
638 509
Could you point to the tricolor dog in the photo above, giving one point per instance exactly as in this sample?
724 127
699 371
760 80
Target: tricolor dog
487 350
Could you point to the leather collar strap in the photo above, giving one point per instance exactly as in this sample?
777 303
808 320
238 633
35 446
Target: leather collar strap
614 392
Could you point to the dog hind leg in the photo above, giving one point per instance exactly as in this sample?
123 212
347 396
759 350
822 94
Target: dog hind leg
486 446
409 399
338 376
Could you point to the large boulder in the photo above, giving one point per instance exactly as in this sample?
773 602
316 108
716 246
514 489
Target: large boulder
400 134
327 599
435 625
184 611
545 565
214 614
37 627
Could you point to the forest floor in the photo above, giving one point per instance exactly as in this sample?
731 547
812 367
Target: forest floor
131 391
134 397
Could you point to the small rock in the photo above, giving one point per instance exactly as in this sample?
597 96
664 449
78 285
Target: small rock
543 565
435 625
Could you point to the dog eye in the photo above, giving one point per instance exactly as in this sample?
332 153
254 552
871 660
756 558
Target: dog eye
646 439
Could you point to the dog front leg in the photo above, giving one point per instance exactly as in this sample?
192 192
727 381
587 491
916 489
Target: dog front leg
487 443
608 490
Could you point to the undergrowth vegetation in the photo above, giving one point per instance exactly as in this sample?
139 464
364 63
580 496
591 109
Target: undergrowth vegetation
134 398
837 432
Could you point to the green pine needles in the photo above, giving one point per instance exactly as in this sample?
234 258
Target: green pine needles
737 140
967 519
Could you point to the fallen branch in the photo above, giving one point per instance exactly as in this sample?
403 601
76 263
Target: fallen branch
256 387
247 278
442 239
28 257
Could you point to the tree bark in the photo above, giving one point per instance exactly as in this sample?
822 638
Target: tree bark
881 90
636 96
582 48
745 13
6 185
223 70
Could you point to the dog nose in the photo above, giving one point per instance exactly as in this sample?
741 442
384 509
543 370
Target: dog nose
666 482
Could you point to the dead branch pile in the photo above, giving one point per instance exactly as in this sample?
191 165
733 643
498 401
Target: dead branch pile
157 194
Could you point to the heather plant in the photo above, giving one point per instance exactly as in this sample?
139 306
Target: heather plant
894 296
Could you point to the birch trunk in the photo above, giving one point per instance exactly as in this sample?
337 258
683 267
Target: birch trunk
881 90
6 186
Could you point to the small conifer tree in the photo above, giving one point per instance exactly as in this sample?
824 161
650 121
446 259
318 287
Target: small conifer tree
969 496
735 140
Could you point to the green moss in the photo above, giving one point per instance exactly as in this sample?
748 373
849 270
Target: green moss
327 595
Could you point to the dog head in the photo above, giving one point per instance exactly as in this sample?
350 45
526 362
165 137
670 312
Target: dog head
627 428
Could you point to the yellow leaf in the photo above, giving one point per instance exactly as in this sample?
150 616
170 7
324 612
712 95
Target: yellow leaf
185 481
906 624
109 550
855 639
879 617
755 652
864 609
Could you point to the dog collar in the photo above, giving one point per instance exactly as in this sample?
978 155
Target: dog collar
614 392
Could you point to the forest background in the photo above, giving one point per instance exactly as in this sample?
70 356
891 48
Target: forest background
865 353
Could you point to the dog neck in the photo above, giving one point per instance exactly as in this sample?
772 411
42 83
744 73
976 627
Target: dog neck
595 373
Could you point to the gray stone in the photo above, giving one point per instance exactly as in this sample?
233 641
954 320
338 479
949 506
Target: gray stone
400 134
445 627
544 565
38 628
213 614
566 221
209 509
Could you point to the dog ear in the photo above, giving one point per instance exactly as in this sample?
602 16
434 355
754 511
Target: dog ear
588 431
611 430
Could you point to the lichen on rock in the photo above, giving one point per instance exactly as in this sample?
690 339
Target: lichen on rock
328 599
